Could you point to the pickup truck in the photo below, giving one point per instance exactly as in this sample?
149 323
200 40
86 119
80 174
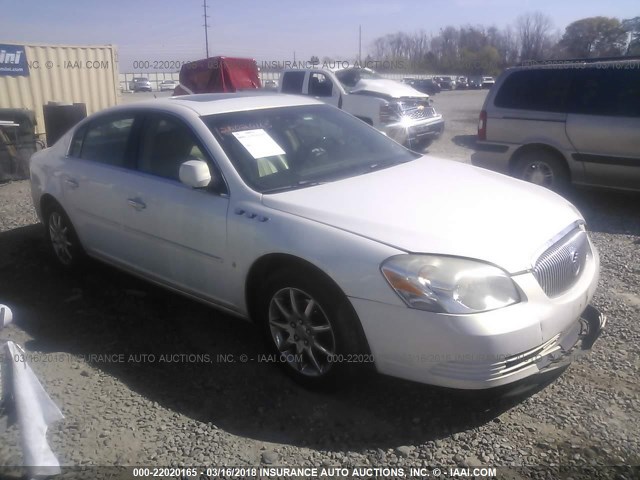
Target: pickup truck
398 110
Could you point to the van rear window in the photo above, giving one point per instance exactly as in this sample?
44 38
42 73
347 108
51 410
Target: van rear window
540 90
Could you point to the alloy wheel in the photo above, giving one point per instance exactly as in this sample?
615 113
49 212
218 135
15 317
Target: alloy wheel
60 238
302 332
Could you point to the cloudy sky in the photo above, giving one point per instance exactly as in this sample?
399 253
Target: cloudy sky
268 30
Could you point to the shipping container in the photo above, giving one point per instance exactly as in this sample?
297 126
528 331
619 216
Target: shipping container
33 75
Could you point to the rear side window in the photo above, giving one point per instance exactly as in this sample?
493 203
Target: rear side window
607 91
320 85
106 141
540 90
292 82
76 142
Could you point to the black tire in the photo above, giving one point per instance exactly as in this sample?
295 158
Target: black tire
62 238
421 145
544 168
336 351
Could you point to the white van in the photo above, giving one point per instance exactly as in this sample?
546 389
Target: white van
562 123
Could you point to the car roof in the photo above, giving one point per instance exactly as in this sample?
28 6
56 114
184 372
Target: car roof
617 62
211 103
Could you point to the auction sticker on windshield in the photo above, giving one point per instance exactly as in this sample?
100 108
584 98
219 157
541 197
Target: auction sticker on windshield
258 143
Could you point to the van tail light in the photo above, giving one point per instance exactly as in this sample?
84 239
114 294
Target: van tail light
482 125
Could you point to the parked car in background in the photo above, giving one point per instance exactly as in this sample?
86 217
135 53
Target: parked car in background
427 86
140 84
270 85
397 109
167 85
568 123
346 249
488 82
461 83
447 83
474 83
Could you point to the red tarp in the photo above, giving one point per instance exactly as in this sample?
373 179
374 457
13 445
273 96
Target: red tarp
218 74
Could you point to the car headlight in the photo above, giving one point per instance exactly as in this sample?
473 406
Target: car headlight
449 284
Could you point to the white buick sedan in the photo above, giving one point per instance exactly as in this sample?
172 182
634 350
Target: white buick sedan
345 248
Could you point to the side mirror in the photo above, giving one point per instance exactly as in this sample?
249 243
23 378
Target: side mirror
195 173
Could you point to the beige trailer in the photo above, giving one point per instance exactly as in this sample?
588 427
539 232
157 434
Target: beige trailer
34 75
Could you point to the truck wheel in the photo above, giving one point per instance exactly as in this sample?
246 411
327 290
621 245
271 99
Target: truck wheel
310 327
422 145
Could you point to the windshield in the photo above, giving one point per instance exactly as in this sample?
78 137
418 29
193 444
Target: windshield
293 147
351 76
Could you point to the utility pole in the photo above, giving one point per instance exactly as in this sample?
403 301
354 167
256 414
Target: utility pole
206 28
360 44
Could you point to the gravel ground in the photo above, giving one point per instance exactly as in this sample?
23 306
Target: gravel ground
113 353
460 109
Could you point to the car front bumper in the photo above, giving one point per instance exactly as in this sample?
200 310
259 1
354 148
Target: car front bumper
411 133
489 349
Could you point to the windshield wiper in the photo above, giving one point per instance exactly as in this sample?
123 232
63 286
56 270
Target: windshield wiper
372 167
293 186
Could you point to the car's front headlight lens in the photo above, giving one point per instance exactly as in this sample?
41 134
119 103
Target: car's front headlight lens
449 284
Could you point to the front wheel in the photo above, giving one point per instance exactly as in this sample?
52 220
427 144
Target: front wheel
419 146
311 329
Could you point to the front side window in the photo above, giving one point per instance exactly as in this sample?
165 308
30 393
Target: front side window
292 147
106 141
167 143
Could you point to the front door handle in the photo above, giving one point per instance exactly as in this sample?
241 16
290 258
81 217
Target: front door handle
136 203
71 183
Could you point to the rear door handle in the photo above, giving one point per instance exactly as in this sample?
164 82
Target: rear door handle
136 203
71 183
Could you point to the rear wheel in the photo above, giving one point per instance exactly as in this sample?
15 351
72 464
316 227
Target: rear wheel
62 238
310 327
544 168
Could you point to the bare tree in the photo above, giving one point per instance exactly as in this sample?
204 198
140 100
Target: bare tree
533 30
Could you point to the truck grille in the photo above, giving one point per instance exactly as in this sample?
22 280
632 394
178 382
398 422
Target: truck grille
420 112
559 267
416 109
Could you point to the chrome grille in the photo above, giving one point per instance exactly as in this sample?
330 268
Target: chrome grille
424 112
416 109
559 267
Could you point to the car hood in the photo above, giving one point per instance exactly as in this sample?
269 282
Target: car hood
388 88
432 205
